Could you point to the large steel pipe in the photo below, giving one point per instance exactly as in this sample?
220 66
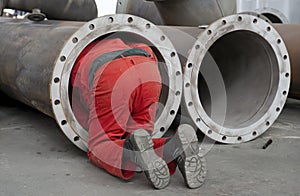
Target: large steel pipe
37 59
180 12
274 15
194 12
275 10
75 10
290 35
257 15
236 77
28 52
144 9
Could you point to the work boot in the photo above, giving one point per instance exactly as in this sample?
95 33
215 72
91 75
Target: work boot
154 167
185 151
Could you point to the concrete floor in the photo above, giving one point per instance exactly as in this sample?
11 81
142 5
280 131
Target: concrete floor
37 159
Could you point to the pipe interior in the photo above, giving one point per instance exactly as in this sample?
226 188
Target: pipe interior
273 18
128 37
249 68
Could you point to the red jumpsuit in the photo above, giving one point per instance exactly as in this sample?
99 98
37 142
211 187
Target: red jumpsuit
121 97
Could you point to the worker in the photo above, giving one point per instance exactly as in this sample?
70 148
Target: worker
115 89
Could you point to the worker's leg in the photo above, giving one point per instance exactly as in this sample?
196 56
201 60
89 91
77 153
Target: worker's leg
108 119
99 118
108 123
145 104
183 147
139 146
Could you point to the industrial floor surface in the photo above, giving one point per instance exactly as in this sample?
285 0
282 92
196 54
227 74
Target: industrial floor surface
36 158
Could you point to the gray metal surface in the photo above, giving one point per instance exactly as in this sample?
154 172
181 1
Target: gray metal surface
273 14
37 59
28 52
179 12
287 11
236 79
194 12
145 9
76 10
252 13
36 15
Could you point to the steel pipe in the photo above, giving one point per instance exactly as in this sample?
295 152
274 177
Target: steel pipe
28 52
275 10
144 9
186 13
75 10
257 15
37 59
180 12
273 15
290 35
236 77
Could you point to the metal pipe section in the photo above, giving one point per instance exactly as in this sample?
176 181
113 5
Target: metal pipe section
28 52
236 78
275 10
273 15
186 13
37 59
179 12
290 35
257 15
75 10
144 9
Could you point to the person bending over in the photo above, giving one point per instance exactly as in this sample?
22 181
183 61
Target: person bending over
115 90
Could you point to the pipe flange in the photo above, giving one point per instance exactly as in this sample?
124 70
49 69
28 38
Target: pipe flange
86 35
214 32
276 13
36 15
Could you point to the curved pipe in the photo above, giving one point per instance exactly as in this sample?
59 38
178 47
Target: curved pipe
75 10
186 12
37 59
257 15
28 52
180 12
144 9
274 15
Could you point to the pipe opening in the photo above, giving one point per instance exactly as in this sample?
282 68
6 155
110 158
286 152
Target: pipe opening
129 39
273 18
249 68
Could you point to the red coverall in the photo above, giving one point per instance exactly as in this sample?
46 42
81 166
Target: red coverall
123 97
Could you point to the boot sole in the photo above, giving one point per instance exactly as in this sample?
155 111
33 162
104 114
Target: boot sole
154 167
194 164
